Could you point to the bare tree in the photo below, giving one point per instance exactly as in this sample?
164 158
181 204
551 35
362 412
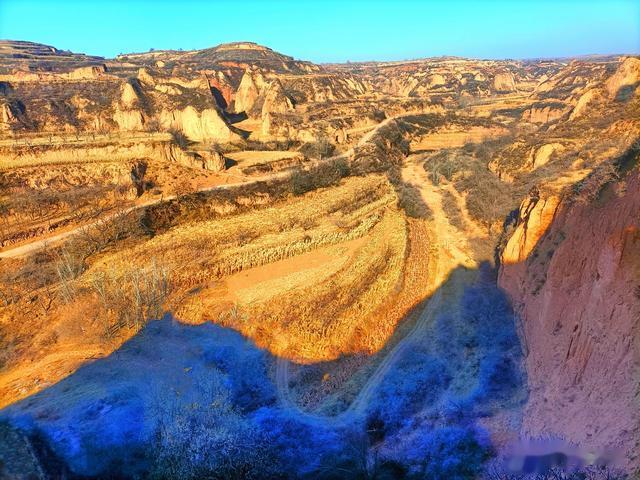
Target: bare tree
68 267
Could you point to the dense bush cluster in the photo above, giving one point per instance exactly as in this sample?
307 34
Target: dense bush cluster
488 199
463 362
417 380
451 453
303 181
319 149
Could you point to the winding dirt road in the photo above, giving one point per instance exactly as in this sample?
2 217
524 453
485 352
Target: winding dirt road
451 250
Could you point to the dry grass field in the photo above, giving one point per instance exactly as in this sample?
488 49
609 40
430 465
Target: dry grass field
201 256
268 273
247 158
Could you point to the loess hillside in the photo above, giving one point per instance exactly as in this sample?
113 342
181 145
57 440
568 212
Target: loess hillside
394 268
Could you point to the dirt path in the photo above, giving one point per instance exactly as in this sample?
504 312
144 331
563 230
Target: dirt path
473 230
450 250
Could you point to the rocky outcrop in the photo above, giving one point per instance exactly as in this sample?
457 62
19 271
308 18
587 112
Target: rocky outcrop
145 76
544 113
201 126
7 116
266 125
11 115
504 83
542 155
249 89
129 120
436 80
339 136
275 100
199 83
626 80
163 151
585 100
573 273
127 114
167 89
212 161
221 89
535 216
129 96
88 73
96 72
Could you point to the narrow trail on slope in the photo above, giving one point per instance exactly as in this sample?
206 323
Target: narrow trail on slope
450 251
41 243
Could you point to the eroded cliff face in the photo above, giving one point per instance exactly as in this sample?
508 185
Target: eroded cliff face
199 126
151 103
572 269
250 88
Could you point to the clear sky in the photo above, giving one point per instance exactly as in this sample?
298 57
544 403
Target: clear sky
333 30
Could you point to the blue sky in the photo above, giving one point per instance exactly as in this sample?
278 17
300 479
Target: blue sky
333 30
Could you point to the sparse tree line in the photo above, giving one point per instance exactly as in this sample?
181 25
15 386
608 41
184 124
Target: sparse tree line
129 296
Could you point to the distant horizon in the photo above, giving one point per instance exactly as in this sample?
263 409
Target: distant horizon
332 31
400 60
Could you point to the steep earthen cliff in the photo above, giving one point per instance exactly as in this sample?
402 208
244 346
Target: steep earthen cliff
572 270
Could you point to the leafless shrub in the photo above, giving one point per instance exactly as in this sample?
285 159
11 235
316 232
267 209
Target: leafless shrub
232 316
150 287
488 199
319 149
444 165
207 439
98 236
182 188
138 171
215 147
132 298
450 207
324 175
69 266
412 203
78 203
180 139
152 125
